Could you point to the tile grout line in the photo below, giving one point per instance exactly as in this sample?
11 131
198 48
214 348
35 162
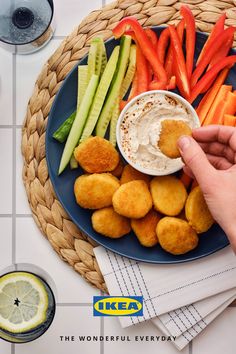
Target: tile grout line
102 334
191 347
14 168
101 325
13 158
104 2
17 215
68 304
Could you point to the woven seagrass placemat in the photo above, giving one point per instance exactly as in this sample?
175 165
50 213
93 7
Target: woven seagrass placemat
67 240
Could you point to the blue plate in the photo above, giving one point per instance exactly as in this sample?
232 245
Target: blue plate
64 104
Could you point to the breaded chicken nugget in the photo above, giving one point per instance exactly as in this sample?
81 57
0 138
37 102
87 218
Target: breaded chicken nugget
96 155
95 191
176 236
132 200
169 194
108 223
130 174
171 131
145 228
197 212
119 169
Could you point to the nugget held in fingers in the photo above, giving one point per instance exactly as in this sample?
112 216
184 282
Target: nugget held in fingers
197 212
108 223
176 236
132 199
169 195
96 155
130 174
95 191
171 131
145 228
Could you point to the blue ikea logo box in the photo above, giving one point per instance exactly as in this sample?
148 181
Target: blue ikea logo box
118 306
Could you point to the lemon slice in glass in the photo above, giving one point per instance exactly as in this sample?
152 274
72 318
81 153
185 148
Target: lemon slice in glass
23 302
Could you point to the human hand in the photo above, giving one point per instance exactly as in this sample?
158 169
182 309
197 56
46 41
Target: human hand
210 157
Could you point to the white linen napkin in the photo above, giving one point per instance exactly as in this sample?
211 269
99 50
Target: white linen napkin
181 299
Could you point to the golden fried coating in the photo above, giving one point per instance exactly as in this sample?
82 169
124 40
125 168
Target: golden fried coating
119 169
171 131
145 228
108 223
168 194
95 191
132 200
176 236
130 174
96 155
197 212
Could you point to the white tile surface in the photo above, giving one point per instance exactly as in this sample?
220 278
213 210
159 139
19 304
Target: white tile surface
70 13
28 68
6 240
5 347
6 171
112 327
6 106
219 337
22 205
72 321
32 247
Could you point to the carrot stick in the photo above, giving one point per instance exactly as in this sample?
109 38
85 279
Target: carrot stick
185 179
229 120
209 98
219 113
230 107
221 95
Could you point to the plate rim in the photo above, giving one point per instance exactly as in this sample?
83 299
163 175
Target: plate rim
174 261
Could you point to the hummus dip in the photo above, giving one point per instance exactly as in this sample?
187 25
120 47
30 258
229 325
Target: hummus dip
140 129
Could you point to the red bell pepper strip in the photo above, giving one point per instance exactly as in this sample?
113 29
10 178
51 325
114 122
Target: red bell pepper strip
204 81
222 53
142 71
148 48
210 52
169 57
154 85
190 37
217 29
163 44
152 36
180 66
143 68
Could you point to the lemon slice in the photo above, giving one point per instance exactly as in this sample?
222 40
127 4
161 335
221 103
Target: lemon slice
23 302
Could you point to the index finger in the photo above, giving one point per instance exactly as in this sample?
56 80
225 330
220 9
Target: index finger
222 134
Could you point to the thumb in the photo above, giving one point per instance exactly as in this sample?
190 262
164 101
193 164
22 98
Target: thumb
195 158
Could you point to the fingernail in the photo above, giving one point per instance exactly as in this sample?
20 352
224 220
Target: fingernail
184 142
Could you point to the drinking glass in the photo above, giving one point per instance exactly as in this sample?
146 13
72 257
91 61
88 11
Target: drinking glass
26 25
20 296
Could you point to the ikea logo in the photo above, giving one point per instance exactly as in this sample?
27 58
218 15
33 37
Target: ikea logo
118 306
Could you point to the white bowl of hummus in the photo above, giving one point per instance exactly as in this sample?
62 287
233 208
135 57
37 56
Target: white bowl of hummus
139 127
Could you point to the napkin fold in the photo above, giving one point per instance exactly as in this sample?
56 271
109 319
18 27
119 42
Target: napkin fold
181 299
